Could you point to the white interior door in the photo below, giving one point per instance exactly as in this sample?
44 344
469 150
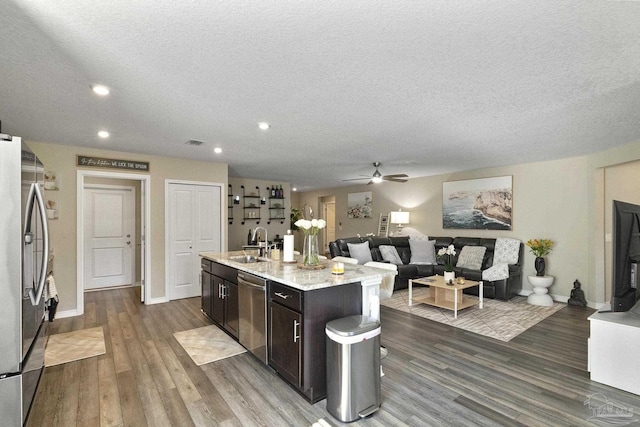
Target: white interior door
329 215
109 236
194 226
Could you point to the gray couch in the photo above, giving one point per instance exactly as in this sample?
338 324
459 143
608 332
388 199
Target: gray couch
500 289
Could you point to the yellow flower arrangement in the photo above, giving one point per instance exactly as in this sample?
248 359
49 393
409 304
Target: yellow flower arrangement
540 247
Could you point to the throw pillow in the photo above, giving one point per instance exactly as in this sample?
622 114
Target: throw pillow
471 257
422 251
419 237
390 253
360 251
506 251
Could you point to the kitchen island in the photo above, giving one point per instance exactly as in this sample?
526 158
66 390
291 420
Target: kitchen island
299 303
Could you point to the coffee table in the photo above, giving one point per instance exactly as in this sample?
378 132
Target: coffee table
446 296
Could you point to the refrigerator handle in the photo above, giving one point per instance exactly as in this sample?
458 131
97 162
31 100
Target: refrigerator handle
35 195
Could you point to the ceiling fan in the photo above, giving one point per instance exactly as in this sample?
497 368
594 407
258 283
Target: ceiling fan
378 177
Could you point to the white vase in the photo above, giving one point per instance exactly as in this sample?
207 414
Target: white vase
449 276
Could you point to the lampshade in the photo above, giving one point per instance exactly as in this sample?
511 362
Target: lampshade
399 217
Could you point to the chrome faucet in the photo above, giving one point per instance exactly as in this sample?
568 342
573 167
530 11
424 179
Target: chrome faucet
266 241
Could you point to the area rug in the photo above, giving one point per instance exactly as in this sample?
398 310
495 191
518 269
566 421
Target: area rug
502 320
208 344
76 345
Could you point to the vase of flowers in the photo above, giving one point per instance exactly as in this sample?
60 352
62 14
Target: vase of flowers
540 248
447 255
310 252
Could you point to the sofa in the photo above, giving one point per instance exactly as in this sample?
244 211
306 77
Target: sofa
502 289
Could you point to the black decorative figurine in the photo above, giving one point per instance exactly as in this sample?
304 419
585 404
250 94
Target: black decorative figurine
577 295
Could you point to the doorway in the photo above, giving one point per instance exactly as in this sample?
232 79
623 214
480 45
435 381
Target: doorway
328 207
141 247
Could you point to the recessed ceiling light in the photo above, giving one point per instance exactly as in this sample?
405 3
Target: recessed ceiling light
101 90
294 189
217 150
263 125
103 134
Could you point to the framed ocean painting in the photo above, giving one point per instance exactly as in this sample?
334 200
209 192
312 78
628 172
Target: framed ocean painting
478 204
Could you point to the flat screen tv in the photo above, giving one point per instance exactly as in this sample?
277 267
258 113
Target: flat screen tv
626 256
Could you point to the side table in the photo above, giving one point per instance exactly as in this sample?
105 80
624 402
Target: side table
540 295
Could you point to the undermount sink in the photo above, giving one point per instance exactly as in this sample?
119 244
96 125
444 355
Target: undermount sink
246 259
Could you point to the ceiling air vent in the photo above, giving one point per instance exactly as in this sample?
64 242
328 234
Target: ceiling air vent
194 142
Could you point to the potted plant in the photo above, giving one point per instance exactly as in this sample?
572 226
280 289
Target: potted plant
447 255
540 248
295 216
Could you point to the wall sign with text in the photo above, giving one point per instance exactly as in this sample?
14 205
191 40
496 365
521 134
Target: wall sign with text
101 162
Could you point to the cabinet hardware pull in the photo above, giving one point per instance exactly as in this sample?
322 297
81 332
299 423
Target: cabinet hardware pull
295 327
224 291
281 295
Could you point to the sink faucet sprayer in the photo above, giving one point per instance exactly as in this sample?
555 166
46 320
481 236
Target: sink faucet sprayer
266 240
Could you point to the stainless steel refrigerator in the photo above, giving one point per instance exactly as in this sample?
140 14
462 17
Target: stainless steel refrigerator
24 249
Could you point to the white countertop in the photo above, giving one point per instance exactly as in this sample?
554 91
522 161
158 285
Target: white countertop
305 280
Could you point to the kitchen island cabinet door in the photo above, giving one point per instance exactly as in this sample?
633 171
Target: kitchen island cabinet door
207 293
285 338
231 312
217 304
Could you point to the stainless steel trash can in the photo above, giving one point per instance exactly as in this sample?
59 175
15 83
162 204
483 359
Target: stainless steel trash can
353 367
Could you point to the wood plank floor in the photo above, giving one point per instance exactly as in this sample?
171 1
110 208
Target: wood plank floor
434 375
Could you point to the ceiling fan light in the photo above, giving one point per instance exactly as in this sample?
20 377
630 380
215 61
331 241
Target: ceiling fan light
376 179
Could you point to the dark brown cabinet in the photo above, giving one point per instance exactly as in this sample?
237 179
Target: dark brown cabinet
231 321
285 332
296 332
207 293
220 295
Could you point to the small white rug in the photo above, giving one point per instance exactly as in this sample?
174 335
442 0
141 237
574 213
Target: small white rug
208 344
502 320
76 345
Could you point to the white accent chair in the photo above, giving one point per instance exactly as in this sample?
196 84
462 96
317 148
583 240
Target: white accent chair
386 290
344 259
386 286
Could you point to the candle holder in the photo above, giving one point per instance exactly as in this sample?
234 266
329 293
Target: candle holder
337 268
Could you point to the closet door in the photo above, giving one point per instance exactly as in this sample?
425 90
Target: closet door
193 226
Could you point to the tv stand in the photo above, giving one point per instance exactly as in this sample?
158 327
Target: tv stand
614 336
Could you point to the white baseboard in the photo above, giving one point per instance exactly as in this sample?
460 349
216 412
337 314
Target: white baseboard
159 300
66 313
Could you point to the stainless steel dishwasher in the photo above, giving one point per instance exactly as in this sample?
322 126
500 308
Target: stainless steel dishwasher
252 303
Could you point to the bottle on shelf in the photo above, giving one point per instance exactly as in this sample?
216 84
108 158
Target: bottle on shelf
249 238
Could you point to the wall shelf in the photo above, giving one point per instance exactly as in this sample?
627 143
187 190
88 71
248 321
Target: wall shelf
230 204
252 205
276 208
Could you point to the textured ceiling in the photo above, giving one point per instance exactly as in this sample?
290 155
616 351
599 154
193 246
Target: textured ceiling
423 87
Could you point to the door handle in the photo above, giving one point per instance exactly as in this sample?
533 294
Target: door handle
295 327
35 197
